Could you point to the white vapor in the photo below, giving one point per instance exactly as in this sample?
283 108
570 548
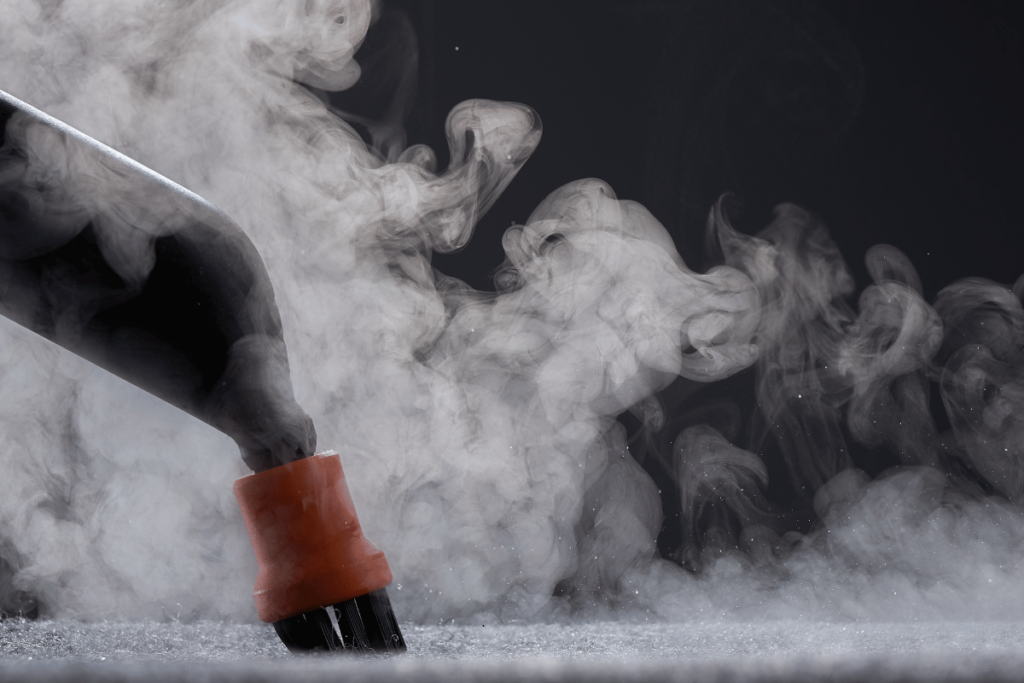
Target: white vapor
478 431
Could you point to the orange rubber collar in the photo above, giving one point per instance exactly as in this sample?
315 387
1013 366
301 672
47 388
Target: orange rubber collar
309 546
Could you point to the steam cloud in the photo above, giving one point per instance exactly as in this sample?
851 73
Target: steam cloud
478 430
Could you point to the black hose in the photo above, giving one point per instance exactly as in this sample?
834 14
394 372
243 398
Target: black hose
145 279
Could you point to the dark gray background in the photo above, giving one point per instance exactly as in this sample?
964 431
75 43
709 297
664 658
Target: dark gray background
894 122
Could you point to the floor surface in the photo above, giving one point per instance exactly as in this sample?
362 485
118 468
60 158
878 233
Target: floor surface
606 651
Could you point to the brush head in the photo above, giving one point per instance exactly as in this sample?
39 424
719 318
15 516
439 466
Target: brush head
320 580
365 625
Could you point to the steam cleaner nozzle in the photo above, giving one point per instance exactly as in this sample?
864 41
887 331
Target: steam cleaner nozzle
321 582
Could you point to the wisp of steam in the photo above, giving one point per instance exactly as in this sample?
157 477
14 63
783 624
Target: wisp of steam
478 430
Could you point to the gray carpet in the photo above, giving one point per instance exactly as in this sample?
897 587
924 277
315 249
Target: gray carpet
786 651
